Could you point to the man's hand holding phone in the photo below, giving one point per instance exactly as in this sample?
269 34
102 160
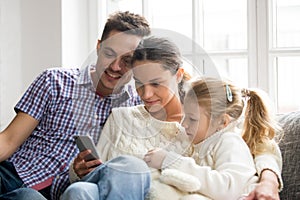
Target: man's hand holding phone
82 167
87 160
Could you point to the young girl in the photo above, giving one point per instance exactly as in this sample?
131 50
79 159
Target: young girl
221 165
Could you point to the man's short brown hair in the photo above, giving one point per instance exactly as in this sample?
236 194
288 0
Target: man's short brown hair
130 23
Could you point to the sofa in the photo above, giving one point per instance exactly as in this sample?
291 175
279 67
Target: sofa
290 148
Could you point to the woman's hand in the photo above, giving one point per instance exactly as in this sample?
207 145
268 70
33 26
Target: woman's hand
155 157
81 167
266 189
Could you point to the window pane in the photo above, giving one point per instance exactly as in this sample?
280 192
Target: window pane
236 69
171 15
286 23
225 24
134 6
288 69
191 69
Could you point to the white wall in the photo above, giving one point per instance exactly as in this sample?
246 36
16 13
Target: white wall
80 25
30 35
35 35
40 37
10 58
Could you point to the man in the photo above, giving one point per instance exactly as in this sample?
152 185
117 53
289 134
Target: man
38 145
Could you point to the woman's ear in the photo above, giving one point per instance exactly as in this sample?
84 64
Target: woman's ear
98 46
179 74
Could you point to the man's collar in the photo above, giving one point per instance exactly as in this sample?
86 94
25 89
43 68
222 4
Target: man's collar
85 75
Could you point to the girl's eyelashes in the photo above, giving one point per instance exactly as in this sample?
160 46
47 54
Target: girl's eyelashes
190 118
193 119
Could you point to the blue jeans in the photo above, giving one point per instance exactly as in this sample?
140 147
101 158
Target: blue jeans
124 177
12 187
22 194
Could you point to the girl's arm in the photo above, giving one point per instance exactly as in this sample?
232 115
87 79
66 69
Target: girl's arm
231 171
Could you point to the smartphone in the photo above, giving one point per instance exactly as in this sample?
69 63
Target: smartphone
85 142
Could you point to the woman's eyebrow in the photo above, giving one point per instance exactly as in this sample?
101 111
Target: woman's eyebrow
152 80
155 79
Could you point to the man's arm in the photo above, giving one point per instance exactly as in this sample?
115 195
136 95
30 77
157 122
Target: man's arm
267 188
15 134
268 166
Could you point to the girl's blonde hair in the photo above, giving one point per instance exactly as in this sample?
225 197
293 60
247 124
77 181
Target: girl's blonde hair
220 97
260 127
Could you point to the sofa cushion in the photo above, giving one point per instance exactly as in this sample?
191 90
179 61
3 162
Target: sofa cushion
290 148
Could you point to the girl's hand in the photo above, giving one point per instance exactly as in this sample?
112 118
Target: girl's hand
155 157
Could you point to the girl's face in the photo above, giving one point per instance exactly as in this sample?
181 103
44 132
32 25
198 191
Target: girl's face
155 85
196 121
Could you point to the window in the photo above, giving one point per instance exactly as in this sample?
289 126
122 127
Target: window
285 33
288 70
225 37
124 5
256 43
172 15
284 53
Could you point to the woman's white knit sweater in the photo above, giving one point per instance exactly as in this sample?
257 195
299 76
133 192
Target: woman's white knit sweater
133 131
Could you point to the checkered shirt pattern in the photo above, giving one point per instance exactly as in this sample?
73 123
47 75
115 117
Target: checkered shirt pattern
65 103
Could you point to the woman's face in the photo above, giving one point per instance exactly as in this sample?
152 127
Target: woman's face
155 85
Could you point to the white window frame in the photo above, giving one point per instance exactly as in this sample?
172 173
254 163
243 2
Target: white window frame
276 52
260 53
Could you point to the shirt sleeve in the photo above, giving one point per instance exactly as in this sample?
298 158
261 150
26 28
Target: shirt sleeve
36 98
72 175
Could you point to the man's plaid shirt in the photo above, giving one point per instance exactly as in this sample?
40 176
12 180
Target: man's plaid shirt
65 104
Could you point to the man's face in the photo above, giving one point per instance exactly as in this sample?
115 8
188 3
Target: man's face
114 60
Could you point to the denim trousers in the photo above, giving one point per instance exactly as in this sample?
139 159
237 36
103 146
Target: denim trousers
12 187
124 177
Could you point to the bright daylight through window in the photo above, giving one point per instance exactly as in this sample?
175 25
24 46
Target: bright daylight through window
255 43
